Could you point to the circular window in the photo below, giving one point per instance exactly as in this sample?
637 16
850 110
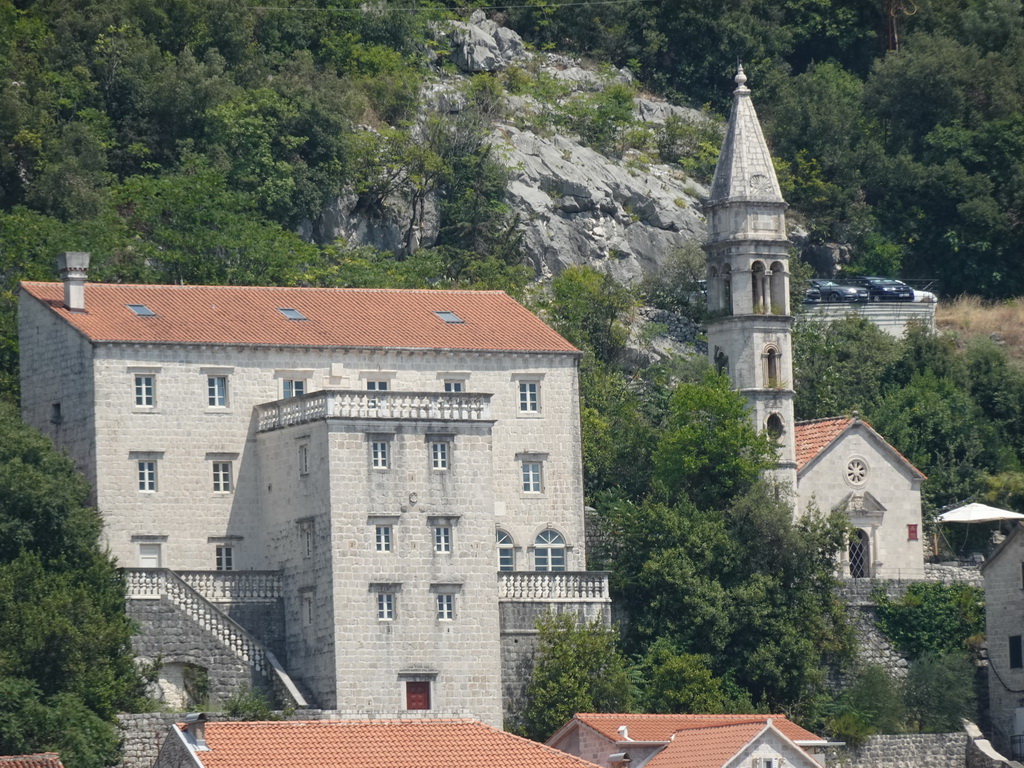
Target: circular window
857 471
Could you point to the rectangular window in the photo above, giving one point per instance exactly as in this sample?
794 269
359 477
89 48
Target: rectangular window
446 607
293 388
306 538
307 609
150 555
304 459
531 477
147 476
911 532
529 401
417 694
145 391
217 391
383 538
442 538
222 477
380 385
1016 654
439 455
225 558
379 455
453 385
385 606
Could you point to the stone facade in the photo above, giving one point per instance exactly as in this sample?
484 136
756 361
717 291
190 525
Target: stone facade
882 500
374 496
1004 628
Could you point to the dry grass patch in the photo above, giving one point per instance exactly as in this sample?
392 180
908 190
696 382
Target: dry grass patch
969 317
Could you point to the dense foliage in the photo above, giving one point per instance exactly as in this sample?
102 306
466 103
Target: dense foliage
933 618
66 666
954 412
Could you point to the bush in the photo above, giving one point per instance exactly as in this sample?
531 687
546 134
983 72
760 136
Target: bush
932 618
940 692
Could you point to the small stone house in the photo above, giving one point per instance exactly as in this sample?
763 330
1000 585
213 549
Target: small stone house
357 499
845 464
690 741
1004 632
426 743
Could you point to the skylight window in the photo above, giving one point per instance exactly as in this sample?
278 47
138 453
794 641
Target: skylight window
292 314
449 317
142 310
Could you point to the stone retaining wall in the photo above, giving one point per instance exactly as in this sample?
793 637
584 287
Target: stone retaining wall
905 750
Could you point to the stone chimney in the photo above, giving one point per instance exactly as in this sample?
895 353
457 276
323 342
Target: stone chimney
74 270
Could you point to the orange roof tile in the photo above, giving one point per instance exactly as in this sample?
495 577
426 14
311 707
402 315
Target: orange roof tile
375 744
812 437
337 317
706 747
661 727
40 760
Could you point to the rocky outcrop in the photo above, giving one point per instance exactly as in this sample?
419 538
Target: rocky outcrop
580 207
482 46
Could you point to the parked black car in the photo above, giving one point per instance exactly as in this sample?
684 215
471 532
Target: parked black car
883 288
832 291
812 295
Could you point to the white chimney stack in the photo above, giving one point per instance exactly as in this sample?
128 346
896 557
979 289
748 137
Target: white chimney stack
74 270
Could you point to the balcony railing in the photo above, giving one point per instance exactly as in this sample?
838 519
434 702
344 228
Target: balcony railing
567 586
234 586
363 404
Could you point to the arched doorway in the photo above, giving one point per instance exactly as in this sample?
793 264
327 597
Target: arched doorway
860 555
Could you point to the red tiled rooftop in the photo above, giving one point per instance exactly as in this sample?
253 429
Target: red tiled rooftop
375 744
40 760
812 437
337 317
706 747
661 727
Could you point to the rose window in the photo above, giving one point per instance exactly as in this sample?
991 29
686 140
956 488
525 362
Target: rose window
857 471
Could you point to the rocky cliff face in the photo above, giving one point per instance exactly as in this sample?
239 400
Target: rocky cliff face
576 205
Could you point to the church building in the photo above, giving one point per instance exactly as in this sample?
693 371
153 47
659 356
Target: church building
834 463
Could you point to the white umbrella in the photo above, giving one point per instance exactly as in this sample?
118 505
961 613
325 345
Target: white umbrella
978 513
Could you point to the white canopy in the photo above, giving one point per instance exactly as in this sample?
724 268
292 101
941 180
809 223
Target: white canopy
978 513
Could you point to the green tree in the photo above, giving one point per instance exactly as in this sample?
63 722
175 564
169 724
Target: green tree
940 692
933 618
66 663
577 668
683 683
709 450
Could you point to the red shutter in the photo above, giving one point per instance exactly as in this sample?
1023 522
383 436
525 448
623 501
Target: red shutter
417 695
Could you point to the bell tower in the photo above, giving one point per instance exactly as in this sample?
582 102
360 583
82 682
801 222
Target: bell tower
749 327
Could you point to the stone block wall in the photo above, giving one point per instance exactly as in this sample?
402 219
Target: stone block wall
905 750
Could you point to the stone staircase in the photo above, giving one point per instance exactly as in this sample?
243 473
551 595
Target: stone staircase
183 591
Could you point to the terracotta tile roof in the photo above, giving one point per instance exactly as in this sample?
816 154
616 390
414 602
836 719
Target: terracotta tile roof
41 760
705 747
661 727
812 437
375 744
337 317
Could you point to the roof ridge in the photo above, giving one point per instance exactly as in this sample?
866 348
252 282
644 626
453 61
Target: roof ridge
201 286
824 419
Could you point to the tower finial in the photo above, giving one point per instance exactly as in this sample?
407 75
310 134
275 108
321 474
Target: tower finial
741 78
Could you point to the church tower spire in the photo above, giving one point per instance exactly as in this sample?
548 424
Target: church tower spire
748 278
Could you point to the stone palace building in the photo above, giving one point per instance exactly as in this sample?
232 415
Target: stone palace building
358 499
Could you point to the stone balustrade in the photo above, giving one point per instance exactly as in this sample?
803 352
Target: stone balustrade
568 586
149 582
234 586
364 404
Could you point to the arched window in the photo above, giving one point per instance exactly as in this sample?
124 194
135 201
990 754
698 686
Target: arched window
506 552
779 289
714 290
549 551
772 367
860 555
757 284
774 426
